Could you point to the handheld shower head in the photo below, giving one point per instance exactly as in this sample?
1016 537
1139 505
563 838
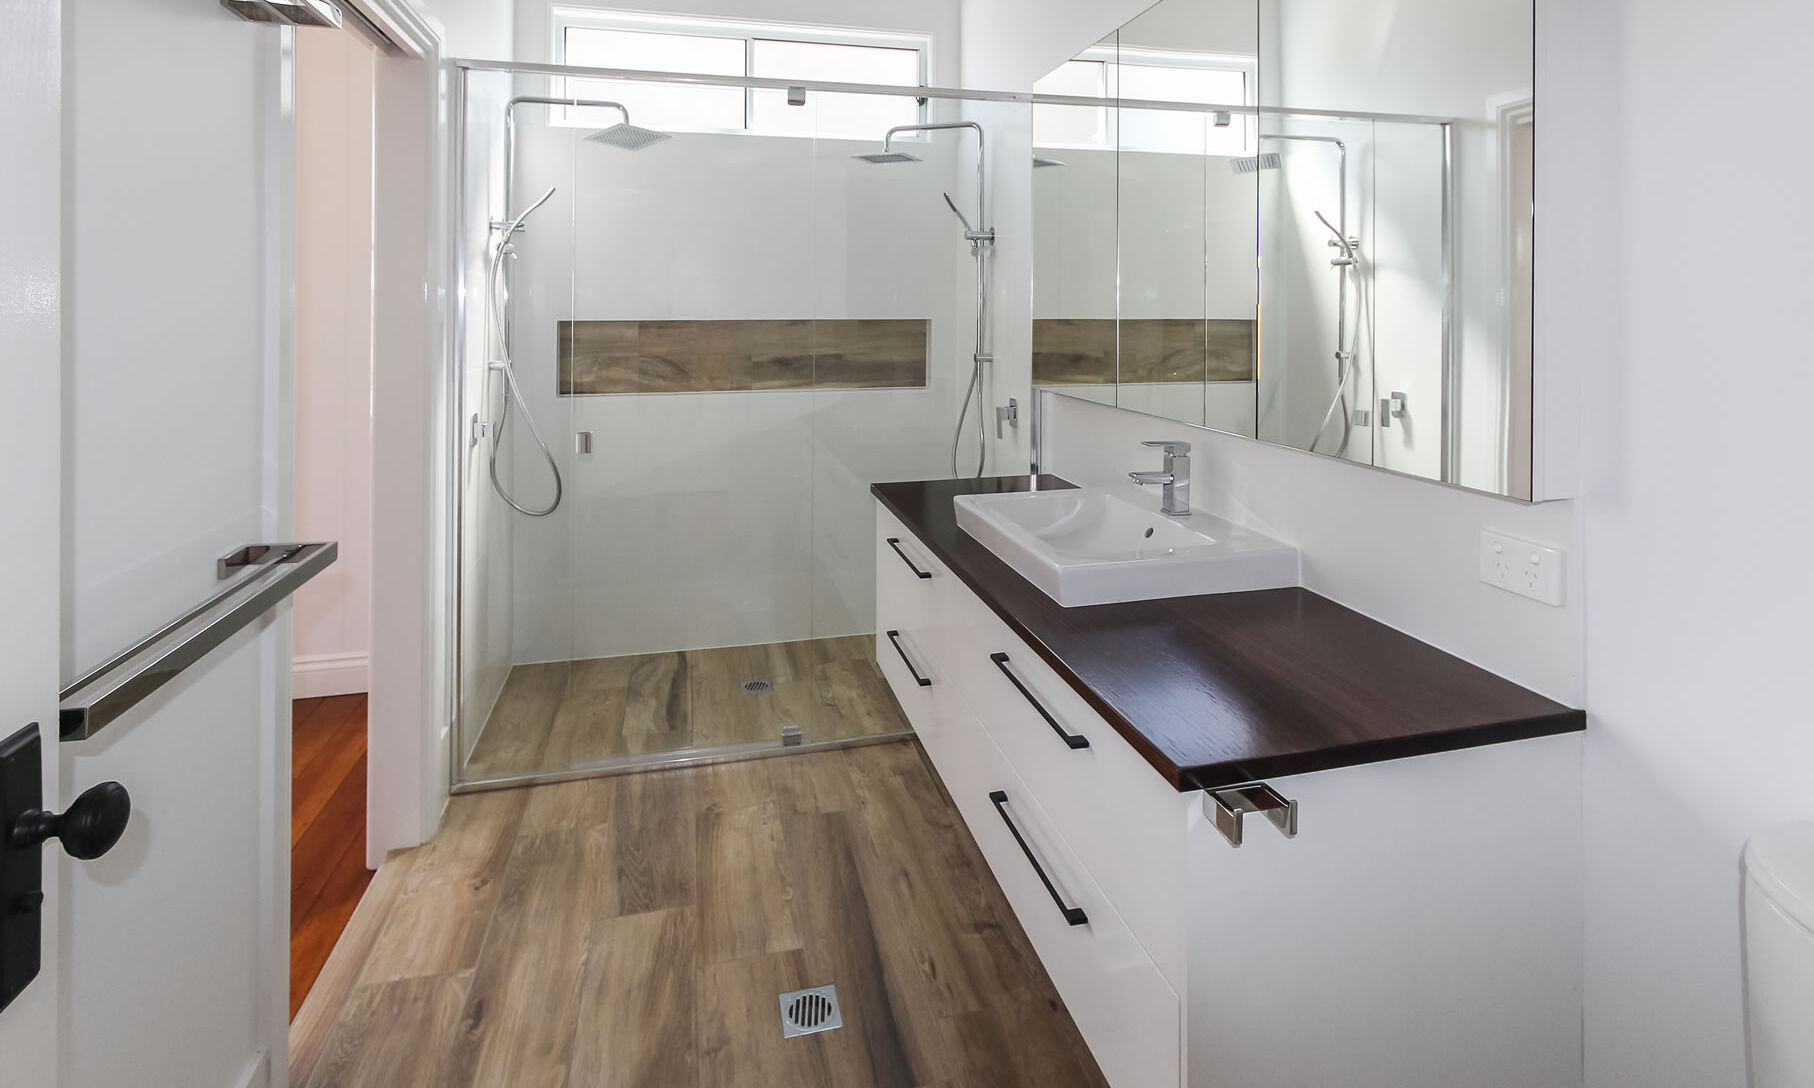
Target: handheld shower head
949 203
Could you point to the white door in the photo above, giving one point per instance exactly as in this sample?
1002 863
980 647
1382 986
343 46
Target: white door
30 88
145 328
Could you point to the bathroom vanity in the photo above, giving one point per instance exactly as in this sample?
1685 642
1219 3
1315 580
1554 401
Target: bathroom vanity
1257 839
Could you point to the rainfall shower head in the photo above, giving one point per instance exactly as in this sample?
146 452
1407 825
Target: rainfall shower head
627 136
1039 162
884 157
1253 164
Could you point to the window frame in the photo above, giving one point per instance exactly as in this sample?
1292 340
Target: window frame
566 17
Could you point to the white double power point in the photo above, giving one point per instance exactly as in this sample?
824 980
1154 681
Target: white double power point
1521 567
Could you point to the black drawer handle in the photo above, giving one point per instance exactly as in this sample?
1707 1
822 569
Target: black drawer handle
895 637
1072 915
895 543
1074 740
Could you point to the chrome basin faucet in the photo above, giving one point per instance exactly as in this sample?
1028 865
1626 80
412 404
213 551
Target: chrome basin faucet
1174 499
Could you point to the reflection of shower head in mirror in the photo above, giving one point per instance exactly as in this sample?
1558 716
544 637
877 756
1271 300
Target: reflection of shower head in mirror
1253 164
882 158
627 136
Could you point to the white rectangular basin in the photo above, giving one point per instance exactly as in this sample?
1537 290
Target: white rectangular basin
1087 546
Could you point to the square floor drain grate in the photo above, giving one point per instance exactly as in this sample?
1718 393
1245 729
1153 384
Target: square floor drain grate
806 1011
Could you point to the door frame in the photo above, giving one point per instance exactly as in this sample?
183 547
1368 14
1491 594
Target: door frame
408 707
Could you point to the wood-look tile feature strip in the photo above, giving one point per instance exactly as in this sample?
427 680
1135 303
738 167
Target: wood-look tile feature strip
1104 351
1074 351
581 982
605 357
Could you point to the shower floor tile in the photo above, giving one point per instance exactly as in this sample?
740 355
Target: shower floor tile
568 714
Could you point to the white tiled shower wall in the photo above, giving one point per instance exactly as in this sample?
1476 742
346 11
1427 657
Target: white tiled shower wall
713 519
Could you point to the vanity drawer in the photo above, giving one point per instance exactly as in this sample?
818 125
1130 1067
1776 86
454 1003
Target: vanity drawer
907 576
1122 1004
904 617
1127 824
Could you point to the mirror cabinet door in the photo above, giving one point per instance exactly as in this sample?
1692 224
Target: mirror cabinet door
1373 204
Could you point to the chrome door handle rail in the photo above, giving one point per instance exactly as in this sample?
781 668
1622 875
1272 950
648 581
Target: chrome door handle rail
1072 740
110 689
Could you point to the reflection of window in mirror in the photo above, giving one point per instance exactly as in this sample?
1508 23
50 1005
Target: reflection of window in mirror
1161 75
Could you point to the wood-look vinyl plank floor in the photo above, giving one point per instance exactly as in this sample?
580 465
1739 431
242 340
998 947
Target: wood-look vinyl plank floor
566 714
635 931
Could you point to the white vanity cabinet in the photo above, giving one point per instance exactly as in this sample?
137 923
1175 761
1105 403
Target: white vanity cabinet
1421 930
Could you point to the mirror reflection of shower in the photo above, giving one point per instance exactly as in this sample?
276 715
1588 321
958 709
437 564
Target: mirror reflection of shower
623 135
1348 269
981 237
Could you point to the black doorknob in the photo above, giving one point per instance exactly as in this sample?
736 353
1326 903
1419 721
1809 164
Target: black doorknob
88 829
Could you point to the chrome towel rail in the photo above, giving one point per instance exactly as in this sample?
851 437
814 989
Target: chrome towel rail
272 572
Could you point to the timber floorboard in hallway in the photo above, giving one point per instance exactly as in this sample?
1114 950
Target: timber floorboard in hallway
327 830
563 714
635 931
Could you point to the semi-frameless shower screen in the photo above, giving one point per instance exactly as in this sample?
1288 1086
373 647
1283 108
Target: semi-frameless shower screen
715 324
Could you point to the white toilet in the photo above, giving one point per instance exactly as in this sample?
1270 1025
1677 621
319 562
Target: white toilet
1779 956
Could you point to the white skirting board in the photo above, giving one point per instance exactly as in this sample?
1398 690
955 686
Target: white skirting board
329 674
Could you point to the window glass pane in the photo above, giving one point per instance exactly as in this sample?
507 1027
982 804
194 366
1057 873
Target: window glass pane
1072 126
1168 84
835 63
1187 133
665 106
853 116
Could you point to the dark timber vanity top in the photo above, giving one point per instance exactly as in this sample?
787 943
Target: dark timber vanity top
1228 688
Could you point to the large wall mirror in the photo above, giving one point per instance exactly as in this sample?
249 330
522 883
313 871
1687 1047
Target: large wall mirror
1302 221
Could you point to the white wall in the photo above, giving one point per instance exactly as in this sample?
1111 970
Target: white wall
335 74
1696 650
473 29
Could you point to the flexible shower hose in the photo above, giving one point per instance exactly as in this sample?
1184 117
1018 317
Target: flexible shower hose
499 301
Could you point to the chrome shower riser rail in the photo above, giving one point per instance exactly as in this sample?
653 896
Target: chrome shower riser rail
104 693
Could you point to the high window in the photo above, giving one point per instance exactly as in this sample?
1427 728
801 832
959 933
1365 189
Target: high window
589 38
